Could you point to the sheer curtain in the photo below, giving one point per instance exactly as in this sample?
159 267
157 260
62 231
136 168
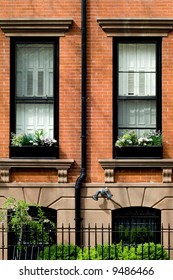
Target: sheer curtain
34 85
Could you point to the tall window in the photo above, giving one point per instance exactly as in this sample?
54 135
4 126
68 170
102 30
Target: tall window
137 85
33 86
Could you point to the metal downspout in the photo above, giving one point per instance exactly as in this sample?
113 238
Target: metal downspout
82 175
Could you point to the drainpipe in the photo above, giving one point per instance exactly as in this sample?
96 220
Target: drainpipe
82 175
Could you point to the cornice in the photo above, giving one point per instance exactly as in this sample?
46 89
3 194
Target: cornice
35 27
123 27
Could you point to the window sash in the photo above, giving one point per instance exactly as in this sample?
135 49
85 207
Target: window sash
136 114
31 117
137 69
34 70
34 90
136 92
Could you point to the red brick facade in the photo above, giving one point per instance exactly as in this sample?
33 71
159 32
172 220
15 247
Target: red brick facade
40 185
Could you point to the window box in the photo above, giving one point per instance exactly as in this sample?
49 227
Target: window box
34 152
139 152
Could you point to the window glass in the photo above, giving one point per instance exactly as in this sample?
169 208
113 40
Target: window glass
34 90
134 225
137 69
137 85
34 70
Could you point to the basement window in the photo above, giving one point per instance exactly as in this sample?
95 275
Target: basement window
135 225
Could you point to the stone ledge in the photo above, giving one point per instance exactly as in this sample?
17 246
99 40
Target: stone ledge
137 163
35 27
109 166
36 185
127 185
62 165
152 27
86 185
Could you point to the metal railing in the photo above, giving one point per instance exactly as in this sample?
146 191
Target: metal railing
96 243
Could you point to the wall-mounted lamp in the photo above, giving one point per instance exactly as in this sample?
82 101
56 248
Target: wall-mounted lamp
103 192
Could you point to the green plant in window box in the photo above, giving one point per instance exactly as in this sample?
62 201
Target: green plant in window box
33 145
148 145
130 138
38 138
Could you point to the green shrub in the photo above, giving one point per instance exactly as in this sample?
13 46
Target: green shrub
60 252
146 251
88 254
151 251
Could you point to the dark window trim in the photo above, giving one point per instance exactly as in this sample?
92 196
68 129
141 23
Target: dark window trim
158 42
28 40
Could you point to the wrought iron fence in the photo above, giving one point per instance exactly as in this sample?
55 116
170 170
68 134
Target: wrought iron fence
96 243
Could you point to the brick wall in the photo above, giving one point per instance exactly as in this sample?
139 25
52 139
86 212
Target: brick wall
99 78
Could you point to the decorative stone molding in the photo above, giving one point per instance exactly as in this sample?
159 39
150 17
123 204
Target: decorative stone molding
152 27
111 164
35 27
4 176
62 176
167 175
61 165
109 175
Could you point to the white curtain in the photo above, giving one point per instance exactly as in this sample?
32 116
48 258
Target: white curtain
34 79
137 77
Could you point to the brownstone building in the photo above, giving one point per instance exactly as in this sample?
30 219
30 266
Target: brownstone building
84 71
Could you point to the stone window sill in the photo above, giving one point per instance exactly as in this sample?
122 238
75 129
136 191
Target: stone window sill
109 166
62 166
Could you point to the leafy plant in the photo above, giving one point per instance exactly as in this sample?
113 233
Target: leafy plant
146 251
27 228
130 138
60 252
17 140
37 138
88 254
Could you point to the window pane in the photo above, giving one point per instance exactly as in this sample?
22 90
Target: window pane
34 70
137 70
34 116
137 114
40 83
137 84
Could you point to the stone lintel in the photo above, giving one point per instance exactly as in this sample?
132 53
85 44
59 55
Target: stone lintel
124 27
35 27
